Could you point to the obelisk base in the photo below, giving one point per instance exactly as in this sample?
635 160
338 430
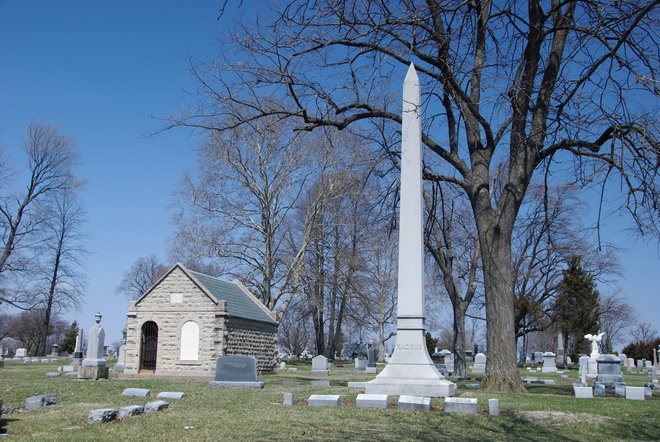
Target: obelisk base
410 370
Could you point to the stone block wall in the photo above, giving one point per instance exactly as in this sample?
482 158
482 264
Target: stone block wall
252 338
176 300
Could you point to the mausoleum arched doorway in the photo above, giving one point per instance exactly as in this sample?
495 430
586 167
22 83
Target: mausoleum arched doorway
148 346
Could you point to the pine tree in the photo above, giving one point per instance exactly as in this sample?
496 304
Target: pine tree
68 343
576 308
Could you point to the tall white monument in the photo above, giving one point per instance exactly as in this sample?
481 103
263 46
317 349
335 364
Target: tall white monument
410 370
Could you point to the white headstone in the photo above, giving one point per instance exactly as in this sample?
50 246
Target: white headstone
479 363
21 352
95 356
549 365
320 365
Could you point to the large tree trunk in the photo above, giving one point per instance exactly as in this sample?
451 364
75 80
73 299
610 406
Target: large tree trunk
501 366
459 338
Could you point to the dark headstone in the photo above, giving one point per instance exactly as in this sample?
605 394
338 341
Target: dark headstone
236 368
371 355
236 371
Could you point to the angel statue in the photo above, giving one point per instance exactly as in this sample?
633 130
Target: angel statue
595 339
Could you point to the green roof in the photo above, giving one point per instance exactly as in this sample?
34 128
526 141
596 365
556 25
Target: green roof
239 304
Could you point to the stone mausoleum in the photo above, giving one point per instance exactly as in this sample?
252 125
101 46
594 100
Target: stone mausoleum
187 320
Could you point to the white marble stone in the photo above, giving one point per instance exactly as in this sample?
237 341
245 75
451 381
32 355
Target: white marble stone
410 370
549 363
583 392
460 405
635 393
409 402
371 401
324 400
494 407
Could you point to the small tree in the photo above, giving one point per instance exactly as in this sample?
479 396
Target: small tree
577 306
68 343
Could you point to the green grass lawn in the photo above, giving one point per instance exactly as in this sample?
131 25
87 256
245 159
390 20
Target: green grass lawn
546 412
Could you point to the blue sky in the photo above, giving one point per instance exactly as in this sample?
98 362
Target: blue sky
98 71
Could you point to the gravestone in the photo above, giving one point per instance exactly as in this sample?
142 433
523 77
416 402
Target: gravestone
78 351
560 350
360 364
178 395
371 401
583 392
130 410
53 350
584 368
102 415
324 400
609 370
320 383
624 359
21 353
635 393
320 366
449 363
599 389
479 363
93 366
157 405
569 361
640 363
121 354
549 360
538 357
137 392
460 405
43 400
408 402
287 399
236 371
630 364
371 358
494 407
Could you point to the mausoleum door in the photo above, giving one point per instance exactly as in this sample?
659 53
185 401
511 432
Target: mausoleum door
148 346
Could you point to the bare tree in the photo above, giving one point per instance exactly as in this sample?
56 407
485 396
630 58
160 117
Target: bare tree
617 316
27 328
509 86
50 158
237 208
144 273
378 299
61 284
294 333
452 241
643 332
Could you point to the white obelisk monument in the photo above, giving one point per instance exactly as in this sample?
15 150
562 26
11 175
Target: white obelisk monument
410 370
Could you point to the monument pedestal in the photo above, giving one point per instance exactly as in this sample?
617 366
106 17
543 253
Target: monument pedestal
93 372
410 370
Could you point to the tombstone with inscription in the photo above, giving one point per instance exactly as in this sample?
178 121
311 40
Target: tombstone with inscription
53 350
320 366
549 363
449 363
236 371
609 370
94 364
479 363
360 364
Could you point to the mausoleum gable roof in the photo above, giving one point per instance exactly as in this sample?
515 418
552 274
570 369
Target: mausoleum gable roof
238 303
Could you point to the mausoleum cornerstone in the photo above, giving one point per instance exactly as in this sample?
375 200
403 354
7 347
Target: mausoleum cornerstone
187 320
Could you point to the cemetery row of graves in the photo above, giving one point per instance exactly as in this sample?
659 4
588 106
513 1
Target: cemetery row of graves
47 394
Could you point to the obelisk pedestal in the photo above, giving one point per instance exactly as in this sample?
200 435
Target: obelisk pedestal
410 370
